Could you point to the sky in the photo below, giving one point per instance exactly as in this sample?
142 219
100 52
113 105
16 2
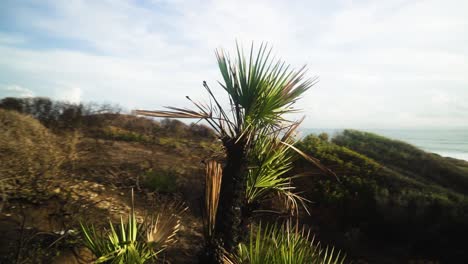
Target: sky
381 64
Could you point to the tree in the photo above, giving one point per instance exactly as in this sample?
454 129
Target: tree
324 136
261 92
12 103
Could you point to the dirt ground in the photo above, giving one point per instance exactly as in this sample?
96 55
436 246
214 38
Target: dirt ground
95 188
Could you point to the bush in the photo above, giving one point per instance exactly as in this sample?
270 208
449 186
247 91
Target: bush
285 244
132 242
202 131
160 180
174 128
52 114
117 133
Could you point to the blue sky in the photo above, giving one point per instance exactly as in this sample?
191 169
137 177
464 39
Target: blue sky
382 64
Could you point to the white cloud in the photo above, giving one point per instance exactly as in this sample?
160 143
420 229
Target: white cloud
14 90
377 61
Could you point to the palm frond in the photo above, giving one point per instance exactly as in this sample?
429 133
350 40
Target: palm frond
161 231
286 243
175 113
213 177
130 241
271 161
260 91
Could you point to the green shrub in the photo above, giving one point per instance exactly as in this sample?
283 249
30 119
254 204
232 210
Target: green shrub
161 180
117 133
131 242
285 244
173 143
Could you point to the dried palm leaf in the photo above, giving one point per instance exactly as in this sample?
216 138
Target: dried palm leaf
213 177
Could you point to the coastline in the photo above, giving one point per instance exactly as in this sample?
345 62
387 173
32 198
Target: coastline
460 156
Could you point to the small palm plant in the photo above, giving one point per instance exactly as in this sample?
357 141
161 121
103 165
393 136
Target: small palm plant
261 91
131 242
285 244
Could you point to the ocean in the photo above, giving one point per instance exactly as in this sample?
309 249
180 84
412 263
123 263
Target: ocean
448 143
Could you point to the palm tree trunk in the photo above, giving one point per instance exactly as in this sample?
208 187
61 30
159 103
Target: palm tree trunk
229 222
231 218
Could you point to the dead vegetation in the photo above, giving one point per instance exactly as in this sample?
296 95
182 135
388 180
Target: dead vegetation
52 181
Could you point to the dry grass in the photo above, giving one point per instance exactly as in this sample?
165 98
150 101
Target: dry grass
29 155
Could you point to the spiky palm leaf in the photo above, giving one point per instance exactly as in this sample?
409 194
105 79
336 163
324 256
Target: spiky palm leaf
285 244
161 231
131 242
270 161
260 90
120 245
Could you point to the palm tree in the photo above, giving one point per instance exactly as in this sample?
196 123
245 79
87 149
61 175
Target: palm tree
261 91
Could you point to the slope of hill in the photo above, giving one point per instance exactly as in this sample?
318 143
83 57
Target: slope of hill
29 154
50 181
398 155
389 195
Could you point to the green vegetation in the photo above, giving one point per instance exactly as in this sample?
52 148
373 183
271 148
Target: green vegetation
117 133
402 156
131 242
269 162
375 199
285 244
160 180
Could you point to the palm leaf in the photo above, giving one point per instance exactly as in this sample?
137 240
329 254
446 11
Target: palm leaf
125 243
260 90
213 177
285 243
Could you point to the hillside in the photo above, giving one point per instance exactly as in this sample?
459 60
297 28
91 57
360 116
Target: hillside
389 195
390 202
400 156
53 180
